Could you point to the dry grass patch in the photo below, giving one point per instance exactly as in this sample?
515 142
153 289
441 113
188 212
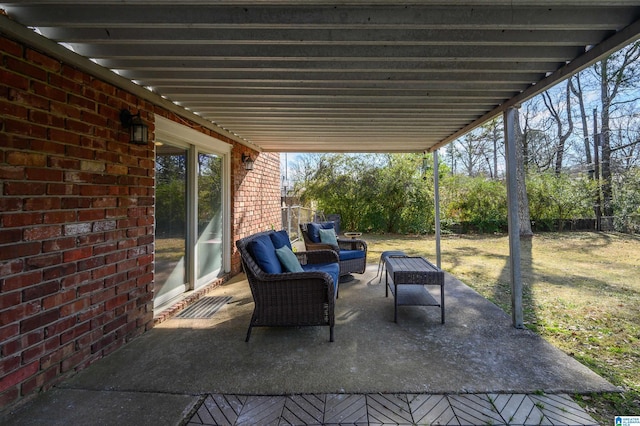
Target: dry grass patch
581 293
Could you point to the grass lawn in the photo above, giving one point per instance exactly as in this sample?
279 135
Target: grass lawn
581 293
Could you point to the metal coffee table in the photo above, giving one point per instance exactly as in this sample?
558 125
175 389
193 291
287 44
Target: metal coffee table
407 278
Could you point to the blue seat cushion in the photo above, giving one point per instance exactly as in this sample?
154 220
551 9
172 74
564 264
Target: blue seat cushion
351 254
332 269
313 230
264 254
280 239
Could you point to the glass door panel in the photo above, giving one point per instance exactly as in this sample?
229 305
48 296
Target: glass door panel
171 223
209 247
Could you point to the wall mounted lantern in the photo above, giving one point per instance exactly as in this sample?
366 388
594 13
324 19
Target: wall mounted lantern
248 162
138 131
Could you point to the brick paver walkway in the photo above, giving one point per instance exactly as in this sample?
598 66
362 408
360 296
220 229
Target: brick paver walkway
390 409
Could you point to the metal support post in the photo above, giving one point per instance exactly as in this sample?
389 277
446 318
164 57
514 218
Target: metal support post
514 223
436 191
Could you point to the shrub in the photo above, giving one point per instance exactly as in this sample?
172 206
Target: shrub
553 199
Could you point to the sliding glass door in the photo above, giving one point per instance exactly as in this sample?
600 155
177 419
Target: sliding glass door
209 246
171 223
192 211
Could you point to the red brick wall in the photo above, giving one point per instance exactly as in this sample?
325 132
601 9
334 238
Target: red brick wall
76 222
256 201
76 219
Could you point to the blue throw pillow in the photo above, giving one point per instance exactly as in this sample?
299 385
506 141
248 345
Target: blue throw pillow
328 236
264 254
312 231
280 239
313 228
288 259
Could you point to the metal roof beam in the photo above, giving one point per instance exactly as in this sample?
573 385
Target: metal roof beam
160 15
607 47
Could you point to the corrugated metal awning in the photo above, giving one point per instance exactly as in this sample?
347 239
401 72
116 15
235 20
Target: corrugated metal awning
347 76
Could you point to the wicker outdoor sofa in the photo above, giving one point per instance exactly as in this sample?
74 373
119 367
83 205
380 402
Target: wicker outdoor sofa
282 298
352 252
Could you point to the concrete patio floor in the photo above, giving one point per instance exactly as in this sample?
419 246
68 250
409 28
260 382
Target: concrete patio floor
196 369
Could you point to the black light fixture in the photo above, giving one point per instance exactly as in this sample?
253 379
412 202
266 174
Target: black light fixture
248 162
138 131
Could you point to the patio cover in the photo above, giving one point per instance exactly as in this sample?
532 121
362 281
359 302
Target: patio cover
342 76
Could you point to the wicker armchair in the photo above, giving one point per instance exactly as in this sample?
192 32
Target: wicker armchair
291 298
352 252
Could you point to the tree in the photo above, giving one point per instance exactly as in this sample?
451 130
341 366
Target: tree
523 201
171 194
559 197
399 191
617 72
334 182
626 154
492 134
472 153
627 201
554 109
537 150
383 192
475 202
452 156
577 91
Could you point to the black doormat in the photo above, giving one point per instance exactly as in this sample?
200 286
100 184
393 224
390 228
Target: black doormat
204 308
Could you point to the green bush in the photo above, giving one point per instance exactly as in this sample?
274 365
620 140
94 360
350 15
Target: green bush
475 203
553 199
373 193
626 201
393 193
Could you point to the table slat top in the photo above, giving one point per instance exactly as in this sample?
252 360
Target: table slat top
414 270
410 263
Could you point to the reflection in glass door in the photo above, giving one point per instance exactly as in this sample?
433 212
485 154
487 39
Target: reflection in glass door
209 247
171 223
192 210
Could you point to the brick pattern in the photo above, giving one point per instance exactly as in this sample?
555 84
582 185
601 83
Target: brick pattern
77 217
256 201
76 222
